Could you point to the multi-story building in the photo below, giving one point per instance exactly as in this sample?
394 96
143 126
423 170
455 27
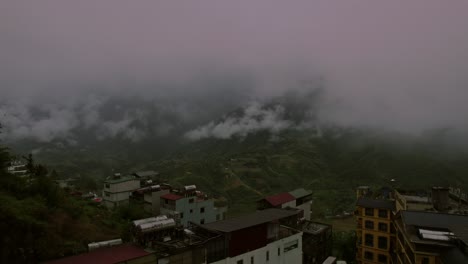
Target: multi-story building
117 190
411 226
18 168
150 197
299 198
316 241
374 234
190 205
431 238
266 236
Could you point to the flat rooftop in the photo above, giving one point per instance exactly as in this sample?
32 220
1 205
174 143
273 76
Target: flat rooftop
253 219
457 224
121 179
115 254
375 203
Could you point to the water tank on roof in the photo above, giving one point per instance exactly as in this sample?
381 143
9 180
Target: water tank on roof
108 243
190 188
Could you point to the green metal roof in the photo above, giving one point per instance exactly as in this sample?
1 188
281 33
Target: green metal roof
121 179
299 193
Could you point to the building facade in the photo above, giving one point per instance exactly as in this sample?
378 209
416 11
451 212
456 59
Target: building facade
431 238
299 198
190 205
375 234
265 236
117 190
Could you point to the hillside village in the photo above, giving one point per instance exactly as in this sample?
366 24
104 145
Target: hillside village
186 225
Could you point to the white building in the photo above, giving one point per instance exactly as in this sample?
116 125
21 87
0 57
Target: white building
260 238
118 189
283 251
299 198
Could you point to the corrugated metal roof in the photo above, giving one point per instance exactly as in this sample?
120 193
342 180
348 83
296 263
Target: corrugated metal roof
172 196
109 255
145 173
257 218
299 193
281 198
121 179
375 203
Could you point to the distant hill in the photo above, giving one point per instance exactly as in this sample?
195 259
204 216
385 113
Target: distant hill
260 149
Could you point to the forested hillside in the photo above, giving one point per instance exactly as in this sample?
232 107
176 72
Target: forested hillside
40 221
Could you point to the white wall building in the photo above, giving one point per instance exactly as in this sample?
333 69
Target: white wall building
283 251
118 189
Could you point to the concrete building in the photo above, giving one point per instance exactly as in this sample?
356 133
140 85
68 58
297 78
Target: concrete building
262 237
109 255
374 233
117 190
411 226
431 238
18 168
190 205
299 198
316 241
267 236
150 196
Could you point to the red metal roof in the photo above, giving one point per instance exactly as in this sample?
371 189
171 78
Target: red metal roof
171 196
281 198
108 255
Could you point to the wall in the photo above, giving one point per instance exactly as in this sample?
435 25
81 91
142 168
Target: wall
306 208
362 231
289 204
154 201
294 255
192 210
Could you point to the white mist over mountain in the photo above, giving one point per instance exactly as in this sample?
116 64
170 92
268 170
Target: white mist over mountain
392 65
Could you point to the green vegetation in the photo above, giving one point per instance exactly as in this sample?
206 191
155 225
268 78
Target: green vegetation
39 221
236 171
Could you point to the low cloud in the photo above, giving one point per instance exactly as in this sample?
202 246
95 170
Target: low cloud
254 118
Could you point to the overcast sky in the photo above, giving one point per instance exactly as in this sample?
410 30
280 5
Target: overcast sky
398 64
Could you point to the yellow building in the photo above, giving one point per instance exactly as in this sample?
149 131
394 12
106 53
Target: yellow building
431 238
375 236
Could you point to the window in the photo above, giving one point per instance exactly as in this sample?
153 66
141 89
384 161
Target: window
425 260
107 194
368 255
166 201
279 251
382 259
369 240
107 185
202 221
383 241
217 217
181 215
383 213
240 261
268 255
191 200
251 260
191 210
383 227
202 210
369 224
291 245
370 211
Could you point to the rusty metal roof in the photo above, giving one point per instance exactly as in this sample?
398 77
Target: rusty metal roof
172 196
279 199
116 254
